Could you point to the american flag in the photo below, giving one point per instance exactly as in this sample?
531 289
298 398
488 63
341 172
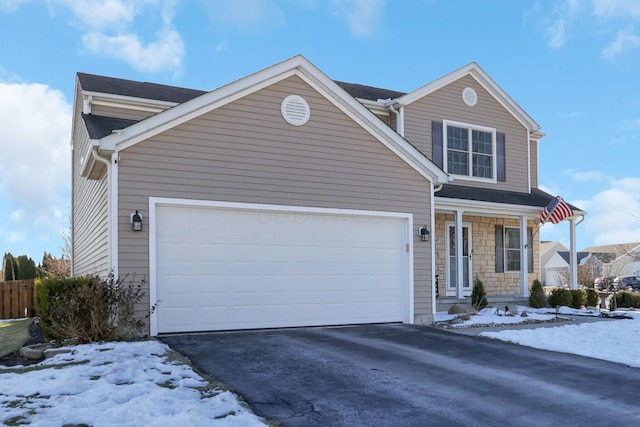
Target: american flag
555 211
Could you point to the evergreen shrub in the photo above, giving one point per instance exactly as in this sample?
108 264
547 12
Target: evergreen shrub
593 298
578 298
628 299
478 295
561 297
537 298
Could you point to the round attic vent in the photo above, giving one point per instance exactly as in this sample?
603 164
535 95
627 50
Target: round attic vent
295 110
469 96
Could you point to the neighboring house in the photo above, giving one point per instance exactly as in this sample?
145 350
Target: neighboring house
288 199
547 251
619 260
556 269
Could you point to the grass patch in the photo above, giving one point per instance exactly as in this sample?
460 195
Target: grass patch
13 336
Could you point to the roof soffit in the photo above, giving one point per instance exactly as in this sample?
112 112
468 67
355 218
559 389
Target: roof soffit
473 70
298 66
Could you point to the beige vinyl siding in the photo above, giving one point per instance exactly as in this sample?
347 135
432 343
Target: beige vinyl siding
246 152
90 235
446 104
120 112
534 163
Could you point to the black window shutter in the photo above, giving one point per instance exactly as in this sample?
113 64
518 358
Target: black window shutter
530 249
499 249
500 157
437 144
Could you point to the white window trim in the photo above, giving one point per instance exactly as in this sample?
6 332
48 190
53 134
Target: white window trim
445 150
505 249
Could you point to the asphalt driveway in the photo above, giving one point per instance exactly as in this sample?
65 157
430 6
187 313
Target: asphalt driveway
407 375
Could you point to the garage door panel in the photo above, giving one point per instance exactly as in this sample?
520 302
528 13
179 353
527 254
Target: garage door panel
246 268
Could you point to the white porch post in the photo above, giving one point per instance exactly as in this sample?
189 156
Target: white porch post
524 257
573 261
459 255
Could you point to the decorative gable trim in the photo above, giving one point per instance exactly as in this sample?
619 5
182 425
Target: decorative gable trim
296 66
478 74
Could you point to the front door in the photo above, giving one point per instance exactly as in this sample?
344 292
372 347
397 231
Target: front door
452 276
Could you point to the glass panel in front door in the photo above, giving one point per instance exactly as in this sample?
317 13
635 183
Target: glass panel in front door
466 251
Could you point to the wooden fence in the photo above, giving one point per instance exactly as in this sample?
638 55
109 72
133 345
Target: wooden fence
17 299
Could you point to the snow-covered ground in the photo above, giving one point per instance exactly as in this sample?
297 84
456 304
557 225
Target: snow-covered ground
116 384
615 340
140 383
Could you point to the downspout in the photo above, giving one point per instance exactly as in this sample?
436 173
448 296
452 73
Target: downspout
399 115
98 157
107 163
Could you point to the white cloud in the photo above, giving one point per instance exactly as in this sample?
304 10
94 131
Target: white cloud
584 176
113 28
35 161
625 40
362 16
612 9
166 53
102 14
11 5
557 34
246 16
614 214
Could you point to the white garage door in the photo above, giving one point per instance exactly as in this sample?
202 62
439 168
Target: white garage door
229 268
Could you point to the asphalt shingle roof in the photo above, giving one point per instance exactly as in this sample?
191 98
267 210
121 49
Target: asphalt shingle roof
101 126
158 92
368 92
535 198
115 86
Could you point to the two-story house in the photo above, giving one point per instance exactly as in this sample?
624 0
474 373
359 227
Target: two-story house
286 198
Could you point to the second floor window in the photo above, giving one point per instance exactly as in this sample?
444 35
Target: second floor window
470 150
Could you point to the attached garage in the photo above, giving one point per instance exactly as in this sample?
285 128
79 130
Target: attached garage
225 266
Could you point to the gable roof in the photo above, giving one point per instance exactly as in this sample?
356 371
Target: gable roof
580 256
134 89
472 69
209 101
617 250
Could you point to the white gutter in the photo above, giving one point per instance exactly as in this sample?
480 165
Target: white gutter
390 103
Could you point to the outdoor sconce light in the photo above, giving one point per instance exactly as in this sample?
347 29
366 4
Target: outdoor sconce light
424 233
136 221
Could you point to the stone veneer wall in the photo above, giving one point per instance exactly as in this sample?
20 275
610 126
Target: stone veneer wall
483 258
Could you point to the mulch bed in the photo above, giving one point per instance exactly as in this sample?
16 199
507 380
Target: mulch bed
36 336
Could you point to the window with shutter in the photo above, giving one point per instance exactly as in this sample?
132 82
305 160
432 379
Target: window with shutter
468 151
508 249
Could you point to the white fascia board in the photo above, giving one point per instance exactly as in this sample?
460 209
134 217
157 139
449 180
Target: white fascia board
200 105
131 102
298 66
485 81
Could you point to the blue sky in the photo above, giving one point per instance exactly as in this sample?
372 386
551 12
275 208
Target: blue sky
571 64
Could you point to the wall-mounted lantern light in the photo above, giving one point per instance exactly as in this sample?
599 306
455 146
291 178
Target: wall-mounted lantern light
136 221
424 233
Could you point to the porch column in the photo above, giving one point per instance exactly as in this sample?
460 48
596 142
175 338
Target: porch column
573 255
459 255
524 257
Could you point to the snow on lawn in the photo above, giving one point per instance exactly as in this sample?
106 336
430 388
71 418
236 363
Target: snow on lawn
116 383
613 340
